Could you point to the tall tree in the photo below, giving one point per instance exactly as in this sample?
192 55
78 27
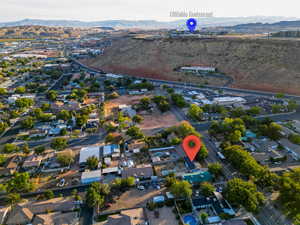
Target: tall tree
244 193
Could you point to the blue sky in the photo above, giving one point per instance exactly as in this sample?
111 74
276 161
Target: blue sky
94 10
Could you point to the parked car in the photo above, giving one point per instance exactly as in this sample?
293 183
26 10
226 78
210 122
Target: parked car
61 183
141 187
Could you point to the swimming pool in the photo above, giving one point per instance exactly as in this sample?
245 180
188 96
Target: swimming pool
190 220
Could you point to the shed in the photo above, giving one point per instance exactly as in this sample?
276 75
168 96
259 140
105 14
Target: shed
91 176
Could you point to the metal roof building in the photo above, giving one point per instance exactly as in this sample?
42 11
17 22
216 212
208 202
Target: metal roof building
87 152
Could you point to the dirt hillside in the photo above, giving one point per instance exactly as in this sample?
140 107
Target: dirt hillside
270 65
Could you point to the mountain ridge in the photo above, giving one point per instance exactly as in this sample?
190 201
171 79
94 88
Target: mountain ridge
203 22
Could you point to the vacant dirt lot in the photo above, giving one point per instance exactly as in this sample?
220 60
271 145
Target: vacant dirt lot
166 217
134 198
152 121
123 100
158 120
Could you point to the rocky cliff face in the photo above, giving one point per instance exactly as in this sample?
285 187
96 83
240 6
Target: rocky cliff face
269 65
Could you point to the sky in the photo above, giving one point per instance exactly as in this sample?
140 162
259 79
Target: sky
97 10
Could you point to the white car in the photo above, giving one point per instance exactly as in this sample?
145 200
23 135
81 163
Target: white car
141 187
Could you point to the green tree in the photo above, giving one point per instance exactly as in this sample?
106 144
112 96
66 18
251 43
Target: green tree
65 158
102 189
129 181
39 150
195 112
235 136
204 217
3 91
280 95
292 105
181 189
20 90
63 132
184 129
137 119
178 100
59 143
295 138
170 180
2 159
49 194
244 193
254 110
162 103
19 183
52 95
92 162
45 107
289 193
145 103
81 119
3 126
202 154
276 108
64 115
9 148
94 199
26 149
272 130
215 169
207 189
28 122
135 132
24 102
13 198
113 138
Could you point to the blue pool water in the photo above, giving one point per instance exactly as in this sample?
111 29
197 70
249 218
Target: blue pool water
190 220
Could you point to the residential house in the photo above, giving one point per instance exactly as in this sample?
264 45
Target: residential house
265 145
127 110
11 166
23 213
127 217
293 149
136 146
217 203
142 171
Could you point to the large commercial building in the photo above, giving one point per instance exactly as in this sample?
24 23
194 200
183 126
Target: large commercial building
228 100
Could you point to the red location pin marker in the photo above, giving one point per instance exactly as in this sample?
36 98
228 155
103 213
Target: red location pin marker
191 145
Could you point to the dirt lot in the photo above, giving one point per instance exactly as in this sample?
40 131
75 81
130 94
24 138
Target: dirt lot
166 217
157 120
123 100
134 198
152 121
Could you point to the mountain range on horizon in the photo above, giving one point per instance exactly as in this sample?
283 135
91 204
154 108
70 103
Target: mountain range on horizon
149 24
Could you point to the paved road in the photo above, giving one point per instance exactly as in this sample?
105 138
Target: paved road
88 140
